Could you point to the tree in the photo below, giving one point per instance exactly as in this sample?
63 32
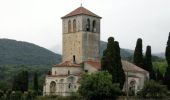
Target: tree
107 61
138 56
119 69
148 63
111 62
36 82
167 73
20 82
98 86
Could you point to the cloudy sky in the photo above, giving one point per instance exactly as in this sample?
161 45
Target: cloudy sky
39 21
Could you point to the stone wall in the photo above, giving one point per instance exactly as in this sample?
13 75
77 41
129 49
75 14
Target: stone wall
82 44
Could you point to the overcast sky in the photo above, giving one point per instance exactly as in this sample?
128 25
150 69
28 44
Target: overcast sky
39 21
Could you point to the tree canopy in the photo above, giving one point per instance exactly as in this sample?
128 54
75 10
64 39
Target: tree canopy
111 62
98 86
138 56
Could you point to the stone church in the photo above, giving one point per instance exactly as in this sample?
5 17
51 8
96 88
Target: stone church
81 45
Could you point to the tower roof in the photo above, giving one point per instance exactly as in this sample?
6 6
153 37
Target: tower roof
79 11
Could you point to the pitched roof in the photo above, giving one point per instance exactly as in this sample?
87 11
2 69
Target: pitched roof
127 66
95 64
79 11
64 75
67 64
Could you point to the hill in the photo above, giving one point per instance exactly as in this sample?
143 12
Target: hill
14 52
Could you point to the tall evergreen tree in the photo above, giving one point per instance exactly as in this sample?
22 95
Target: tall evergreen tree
20 82
111 62
118 65
107 61
167 73
138 56
36 82
148 63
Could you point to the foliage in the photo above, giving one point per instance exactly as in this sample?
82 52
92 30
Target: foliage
36 82
22 53
167 52
98 86
167 78
161 65
20 82
167 73
153 89
1 94
159 76
148 63
120 75
138 56
111 62
7 74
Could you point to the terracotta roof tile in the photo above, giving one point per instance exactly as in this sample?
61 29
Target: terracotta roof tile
79 11
95 64
67 64
127 66
66 75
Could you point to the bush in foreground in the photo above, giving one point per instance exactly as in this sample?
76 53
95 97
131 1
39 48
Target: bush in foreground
153 89
98 86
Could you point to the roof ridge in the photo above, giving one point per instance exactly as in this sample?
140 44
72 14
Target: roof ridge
81 10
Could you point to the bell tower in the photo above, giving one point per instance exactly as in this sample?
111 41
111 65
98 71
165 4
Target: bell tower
81 35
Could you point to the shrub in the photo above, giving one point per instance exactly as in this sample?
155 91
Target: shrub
98 86
153 89
1 94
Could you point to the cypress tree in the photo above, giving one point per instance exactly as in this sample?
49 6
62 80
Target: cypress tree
20 82
107 61
167 73
36 82
148 63
138 56
111 62
118 65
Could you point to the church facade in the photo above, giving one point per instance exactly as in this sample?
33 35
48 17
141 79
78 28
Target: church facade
81 45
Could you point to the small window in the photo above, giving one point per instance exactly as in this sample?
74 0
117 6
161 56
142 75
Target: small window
68 72
94 26
88 25
55 72
69 26
74 25
69 85
74 59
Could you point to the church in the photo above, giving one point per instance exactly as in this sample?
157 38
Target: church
81 48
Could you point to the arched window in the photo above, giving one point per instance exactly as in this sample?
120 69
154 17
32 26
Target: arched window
94 26
71 80
52 87
74 25
132 86
88 25
69 26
